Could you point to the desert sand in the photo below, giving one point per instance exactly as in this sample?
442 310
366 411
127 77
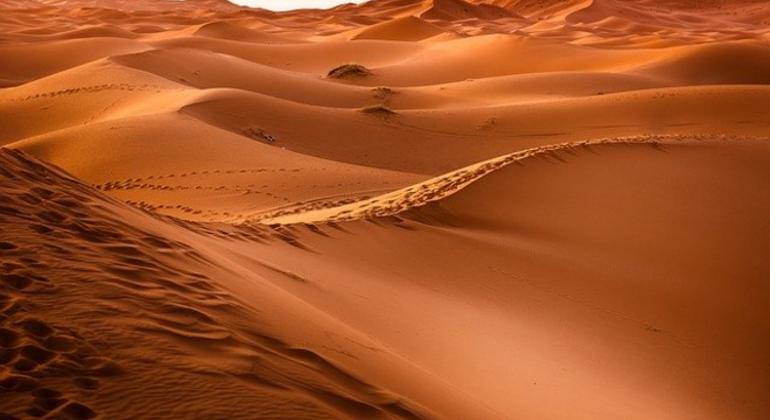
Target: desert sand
403 209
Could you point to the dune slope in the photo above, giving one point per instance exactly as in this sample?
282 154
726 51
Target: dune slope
143 300
399 209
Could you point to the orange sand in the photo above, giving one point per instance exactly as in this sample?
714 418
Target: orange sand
518 209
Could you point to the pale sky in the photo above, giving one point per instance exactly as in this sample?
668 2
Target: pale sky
293 4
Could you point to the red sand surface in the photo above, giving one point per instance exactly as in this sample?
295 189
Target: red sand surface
403 209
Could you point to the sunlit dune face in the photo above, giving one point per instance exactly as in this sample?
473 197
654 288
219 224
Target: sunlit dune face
397 209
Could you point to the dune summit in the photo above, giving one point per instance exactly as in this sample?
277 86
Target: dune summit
401 209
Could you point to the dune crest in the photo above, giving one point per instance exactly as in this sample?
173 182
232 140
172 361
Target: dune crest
436 189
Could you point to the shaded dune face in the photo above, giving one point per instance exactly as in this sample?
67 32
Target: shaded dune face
401 209
104 308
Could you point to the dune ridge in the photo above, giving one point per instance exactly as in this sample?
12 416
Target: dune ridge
514 209
436 189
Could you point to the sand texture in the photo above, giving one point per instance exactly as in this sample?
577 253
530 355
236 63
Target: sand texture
403 209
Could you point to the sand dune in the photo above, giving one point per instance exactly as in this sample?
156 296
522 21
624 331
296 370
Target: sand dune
571 298
459 10
400 209
225 30
409 28
731 63
172 321
26 63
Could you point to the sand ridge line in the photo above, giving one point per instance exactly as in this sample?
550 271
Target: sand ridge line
437 188
319 204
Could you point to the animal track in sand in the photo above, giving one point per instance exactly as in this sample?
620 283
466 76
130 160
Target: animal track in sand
303 207
132 181
245 189
92 89
263 190
144 205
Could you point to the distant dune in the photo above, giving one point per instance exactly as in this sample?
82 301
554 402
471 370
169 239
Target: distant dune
508 209
409 28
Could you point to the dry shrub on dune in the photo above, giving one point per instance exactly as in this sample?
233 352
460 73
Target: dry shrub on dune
348 70
379 109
